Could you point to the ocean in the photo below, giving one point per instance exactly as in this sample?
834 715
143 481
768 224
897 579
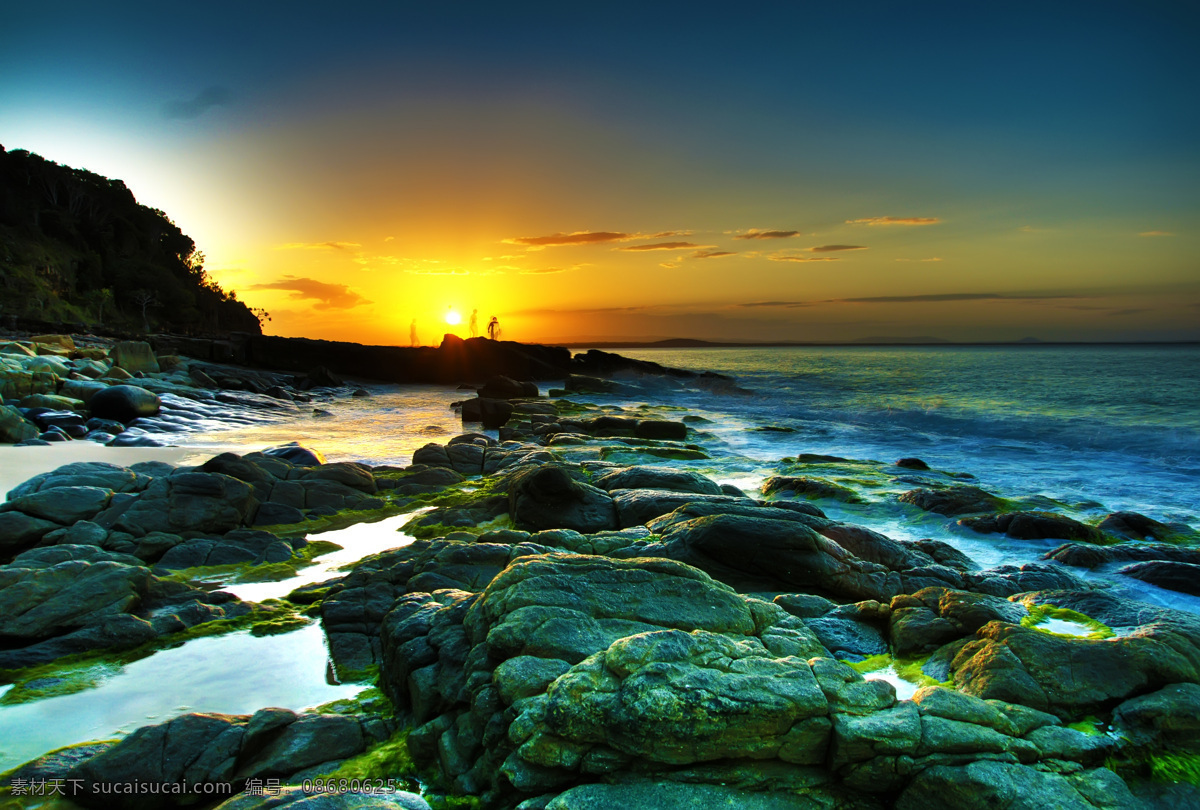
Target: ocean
1080 430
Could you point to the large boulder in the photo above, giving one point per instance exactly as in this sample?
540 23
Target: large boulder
124 403
14 427
953 501
1035 526
501 387
62 504
782 555
1174 576
1070 676
637 507
548 497
988 784
46 600
190 504
134 356
493 413
676 697
656 478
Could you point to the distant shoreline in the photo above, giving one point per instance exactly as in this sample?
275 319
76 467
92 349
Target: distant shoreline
686 343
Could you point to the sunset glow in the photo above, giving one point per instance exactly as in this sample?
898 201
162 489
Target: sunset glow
583 179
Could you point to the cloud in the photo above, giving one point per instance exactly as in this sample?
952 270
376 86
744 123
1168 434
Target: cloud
712 254
894 221
1156 233
1121 312
831 248
911 299
328 296
930 259
665 246
576 238
755 233
539 271
202 102
668 234
388 238
318 246
805 258
673 265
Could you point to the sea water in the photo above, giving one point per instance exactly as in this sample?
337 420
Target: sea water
1118 426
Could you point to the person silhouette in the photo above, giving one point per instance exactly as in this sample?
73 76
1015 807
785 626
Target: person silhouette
412 333
493 328
474 323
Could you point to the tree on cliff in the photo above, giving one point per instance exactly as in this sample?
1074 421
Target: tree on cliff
77 247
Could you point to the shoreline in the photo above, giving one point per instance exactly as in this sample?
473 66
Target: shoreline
792 581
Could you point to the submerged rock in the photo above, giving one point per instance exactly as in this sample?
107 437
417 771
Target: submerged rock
952 501
1035 526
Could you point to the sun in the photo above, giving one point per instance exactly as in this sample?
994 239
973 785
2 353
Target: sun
452 317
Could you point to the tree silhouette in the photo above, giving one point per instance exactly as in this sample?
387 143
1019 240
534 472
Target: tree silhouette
144 299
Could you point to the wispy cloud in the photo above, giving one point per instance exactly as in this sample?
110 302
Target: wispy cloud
575 238
894 221
1123 312
318 246
664 246
757 233
327 296
1156 233
712 254
930 259
669 265
668 234
913 299
540 271
202 102
832 248
805 258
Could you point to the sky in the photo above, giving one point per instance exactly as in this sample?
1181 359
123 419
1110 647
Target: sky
589 172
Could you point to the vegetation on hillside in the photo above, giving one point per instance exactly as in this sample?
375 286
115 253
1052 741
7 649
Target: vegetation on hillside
77 248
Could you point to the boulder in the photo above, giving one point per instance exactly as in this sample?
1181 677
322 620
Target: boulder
656 478
778 555
676 697
660 429
493 413
190 504
1135 526
134 356
13 426
986 784
46 600
501 387
1065 675
62 504
809 488
1088 555
1174 576
18 531
910 463
296 453
1035 526
952 501
1166 719
124 403
637 507
549 498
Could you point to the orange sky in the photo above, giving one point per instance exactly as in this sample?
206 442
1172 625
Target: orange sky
604 181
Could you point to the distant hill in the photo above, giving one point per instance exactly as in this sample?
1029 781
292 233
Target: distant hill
77 248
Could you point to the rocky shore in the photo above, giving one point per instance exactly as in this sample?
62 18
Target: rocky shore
585 619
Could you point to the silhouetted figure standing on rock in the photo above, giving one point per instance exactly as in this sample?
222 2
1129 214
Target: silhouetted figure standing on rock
412 333
474 323
494 328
